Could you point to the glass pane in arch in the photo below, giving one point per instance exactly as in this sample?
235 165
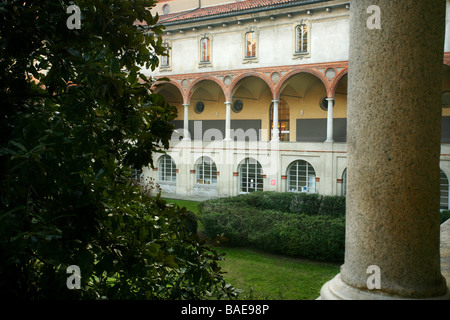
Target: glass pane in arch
206 171
250 176
444 198
167 169
301 177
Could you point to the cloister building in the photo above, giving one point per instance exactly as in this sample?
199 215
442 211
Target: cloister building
261 92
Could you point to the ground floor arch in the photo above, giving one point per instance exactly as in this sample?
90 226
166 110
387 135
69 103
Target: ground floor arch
301 177
444 199
250 176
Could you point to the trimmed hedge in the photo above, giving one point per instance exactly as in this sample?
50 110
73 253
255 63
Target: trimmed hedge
301 225
445 215
296 224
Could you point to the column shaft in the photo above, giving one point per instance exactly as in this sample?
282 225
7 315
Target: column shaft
330 120
394 120
186 134
275 131
228 121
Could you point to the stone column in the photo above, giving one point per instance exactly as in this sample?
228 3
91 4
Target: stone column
330 120
228 121
186 135
394 120
275 131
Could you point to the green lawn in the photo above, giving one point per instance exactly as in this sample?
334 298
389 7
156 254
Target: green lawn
272 277
265 276
190 205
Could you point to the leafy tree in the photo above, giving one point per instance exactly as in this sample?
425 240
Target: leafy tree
76 114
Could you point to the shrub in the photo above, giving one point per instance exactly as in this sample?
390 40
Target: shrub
445 215
310 204
332 205
303 226
314 237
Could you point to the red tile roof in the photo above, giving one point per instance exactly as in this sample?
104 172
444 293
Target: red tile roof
229 8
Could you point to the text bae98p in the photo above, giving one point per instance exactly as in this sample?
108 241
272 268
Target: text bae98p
239 309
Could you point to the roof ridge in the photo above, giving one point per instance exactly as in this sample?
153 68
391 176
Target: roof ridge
230 8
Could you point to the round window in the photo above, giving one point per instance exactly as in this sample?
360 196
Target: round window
323 104
446 99
238 106
166 9
199 107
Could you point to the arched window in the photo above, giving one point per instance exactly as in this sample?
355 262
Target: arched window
344 182
206 171
167 169
301 39
250 176
283 120
301 177
205 46
445 201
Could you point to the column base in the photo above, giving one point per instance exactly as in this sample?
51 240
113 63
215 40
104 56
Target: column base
336 289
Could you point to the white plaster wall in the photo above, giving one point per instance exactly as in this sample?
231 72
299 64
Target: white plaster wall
330 41
275 45
227 51
185 57
447 29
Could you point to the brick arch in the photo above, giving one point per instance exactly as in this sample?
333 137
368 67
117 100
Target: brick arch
335 82
282 82
447 58
159 84
190 89
234 83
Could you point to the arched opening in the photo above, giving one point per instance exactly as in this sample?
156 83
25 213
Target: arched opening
303 92
444 195
206 174
301 177
205 171
250 176
251 95
167 174
340 111
206 114
167 170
